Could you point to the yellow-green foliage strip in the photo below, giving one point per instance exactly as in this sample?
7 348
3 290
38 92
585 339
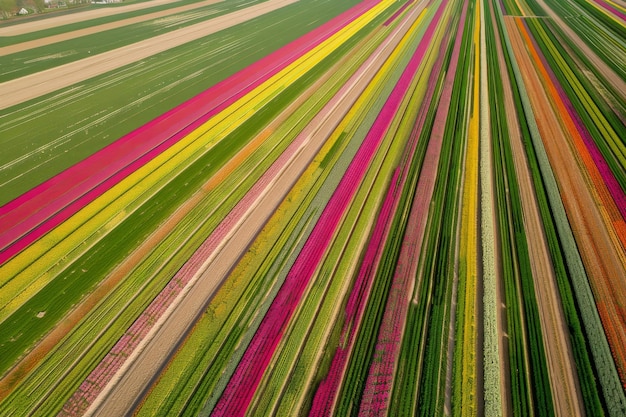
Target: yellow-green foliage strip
231 301
27 277
491 348
285 385
525 9
468 269
307 366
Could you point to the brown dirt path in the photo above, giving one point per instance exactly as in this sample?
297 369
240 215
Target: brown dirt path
121 271
505 381
66 19
600 256
12 377
159 346
35 85
540 259
34 357
19 47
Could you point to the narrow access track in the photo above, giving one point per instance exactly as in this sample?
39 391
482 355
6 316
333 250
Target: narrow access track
49 40
618 83
35 85
599 255
67 19
123 394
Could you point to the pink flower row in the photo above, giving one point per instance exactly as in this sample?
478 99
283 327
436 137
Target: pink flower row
243 383
44 207
113 361
329 388
381 373
398 13
612 9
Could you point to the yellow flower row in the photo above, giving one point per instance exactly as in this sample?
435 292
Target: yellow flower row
469 237
38 264
227 304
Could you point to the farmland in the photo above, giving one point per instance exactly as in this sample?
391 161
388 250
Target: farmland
314 207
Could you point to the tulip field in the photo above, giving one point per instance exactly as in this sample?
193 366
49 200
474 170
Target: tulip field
314 207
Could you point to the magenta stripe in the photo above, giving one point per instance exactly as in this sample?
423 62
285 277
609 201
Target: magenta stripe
612 10
36 212
398 13
240 389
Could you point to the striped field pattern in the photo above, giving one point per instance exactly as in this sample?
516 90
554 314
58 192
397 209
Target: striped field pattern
377 207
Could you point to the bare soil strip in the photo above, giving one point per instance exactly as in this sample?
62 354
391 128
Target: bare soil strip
598 253
489 224
66 19
19 47
35 85
528 198
158 347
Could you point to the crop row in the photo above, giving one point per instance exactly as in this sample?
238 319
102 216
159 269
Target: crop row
566 258
30 61
165 247
259 183
416 208
69 125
